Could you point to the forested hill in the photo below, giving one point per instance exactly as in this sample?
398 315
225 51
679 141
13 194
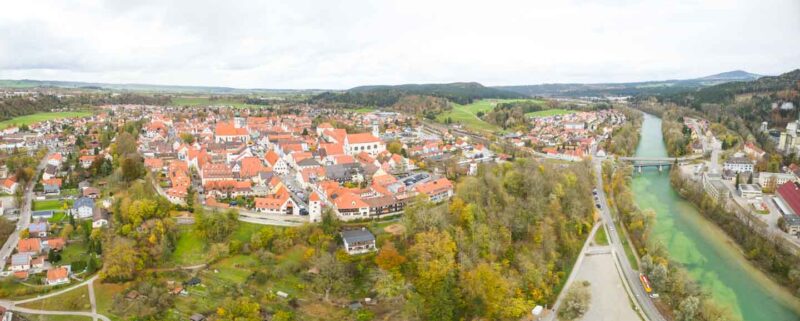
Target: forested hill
655 87
384 96
725 93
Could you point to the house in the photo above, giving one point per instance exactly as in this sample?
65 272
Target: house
350 206
437 190
41 215
30 246
56 244
38 229
83 208
276 162
278 203
50 171
56 276
51 186
91 192
20 262
86 161
358 241
229 132
100 218
750 191
9 185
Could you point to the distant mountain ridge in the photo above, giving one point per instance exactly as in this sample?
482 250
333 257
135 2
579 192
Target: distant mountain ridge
630 88
28 83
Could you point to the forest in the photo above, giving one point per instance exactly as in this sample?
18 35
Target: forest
625 139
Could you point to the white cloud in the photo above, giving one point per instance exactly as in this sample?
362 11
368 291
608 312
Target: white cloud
340 44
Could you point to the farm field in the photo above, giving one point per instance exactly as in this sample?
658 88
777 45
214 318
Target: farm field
549 112
40 117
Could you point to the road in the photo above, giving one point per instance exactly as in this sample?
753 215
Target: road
643 300
24 215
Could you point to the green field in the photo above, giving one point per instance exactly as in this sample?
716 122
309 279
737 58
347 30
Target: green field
55 205
74 300
549 112
467 115
206 101
190 248
40 117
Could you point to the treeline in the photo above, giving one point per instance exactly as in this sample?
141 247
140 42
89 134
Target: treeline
682 297
763 252
11 107
625 139
385 96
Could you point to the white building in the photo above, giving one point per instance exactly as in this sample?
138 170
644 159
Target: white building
354 144
739 165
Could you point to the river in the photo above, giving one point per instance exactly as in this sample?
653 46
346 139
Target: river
711 257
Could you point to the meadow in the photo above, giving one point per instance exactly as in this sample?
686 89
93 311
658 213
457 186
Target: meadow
40 117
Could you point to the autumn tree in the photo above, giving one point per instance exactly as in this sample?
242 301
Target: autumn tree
332 277
388 257
240 309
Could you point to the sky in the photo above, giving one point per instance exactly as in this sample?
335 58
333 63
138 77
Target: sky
303 44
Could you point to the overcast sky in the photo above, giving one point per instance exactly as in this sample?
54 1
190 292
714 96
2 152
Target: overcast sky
341 44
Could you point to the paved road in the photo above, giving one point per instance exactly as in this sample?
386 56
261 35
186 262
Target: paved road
24 216
642 299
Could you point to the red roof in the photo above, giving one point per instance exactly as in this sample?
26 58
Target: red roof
362 138
56 274
435 187
228 129
790 193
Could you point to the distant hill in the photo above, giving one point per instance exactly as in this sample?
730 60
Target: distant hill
384 96
27 83
631 88
726 92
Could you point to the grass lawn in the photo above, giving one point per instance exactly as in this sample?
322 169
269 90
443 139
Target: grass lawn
74 252
58 217
40 117
75 300
104 294
235 269
629 253
190 248
205 101
549 112
50 205
600 238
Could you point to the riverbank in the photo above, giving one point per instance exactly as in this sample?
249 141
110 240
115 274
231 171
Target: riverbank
768 259
698 246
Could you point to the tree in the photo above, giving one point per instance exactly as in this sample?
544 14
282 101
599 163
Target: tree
395 147
687 309
240 309
217 227
121 260
191 194
389 285
388 258
576 301
330 223
132 168
332 277
434 255
486 286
